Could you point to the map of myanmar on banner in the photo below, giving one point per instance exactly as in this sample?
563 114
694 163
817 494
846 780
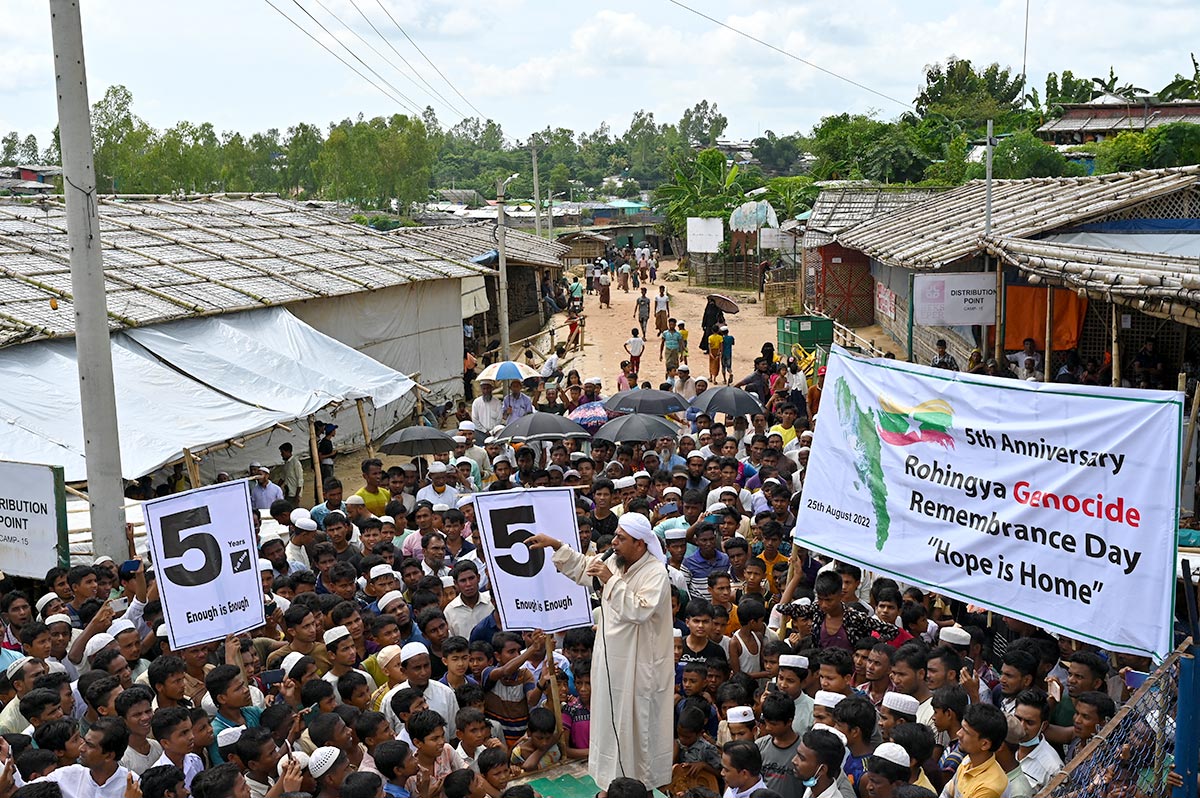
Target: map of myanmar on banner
1053 503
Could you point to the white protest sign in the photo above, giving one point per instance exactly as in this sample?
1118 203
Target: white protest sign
1052 503
954 299
526 587
206 562
705 235
33 518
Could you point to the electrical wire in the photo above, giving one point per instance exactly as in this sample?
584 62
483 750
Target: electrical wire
792 56
404 100
482 115
350 66
431 91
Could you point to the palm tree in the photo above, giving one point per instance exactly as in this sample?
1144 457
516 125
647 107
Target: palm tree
1110 85
1183 88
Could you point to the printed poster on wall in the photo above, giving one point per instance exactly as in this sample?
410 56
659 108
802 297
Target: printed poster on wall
947 299
885 301
1056 504
206 562
527 589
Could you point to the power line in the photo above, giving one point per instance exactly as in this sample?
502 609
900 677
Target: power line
792 56
321 44
482 115
407 103
431 90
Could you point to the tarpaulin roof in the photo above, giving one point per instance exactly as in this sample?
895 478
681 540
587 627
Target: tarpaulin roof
190 384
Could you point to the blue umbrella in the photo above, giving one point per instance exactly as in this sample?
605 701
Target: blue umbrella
590 415
507 370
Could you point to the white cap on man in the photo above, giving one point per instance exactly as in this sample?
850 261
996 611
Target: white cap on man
740 715
899 702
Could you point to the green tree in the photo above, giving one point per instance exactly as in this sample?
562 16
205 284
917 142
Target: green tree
702 124
9 147
704 185
1024 155
1113 85
1183 87
790 196
952 170
840 143
301 152
1122 153
777 154
121 141
27 151
960 91
894 159
1066 88
1176 144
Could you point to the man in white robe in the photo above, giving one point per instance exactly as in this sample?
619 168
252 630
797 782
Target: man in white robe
633 672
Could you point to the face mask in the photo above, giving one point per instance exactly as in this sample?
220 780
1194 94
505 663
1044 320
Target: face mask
812 782
1034 743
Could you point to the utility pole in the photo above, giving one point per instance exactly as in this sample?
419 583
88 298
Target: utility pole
537 194
502 291
98 398
550 218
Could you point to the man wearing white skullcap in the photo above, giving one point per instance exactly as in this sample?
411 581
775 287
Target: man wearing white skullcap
632 728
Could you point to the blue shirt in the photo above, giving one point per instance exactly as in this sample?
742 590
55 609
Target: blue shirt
394 791
516 406
484 630
319 512
698 569
672 339
261 497
252 715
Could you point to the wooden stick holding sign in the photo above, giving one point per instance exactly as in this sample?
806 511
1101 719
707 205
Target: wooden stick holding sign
555 702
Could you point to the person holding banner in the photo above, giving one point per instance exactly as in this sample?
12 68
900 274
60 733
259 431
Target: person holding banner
633 671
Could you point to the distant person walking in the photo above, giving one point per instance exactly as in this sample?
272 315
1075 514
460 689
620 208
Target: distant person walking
662 309
642 311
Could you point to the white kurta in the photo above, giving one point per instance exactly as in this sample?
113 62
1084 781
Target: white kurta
633 673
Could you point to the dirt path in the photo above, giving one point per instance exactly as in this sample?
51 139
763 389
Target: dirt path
607 331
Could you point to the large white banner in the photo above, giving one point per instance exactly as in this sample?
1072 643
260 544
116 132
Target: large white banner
1052 503
206 562
948 299
526 587
33 519
705 235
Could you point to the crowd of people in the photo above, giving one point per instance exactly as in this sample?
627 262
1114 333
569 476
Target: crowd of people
383 667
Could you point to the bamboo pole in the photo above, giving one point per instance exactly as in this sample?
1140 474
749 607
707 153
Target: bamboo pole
1049 333
192 464
1116 349
1187 439
555 702
318 488
366 428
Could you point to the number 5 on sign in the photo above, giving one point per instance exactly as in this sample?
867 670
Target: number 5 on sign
527 589
206 557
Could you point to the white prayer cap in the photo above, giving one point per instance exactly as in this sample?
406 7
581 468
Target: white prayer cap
440 507
297 756
264 470
641 475
458 438
383 569
409 466
98 644
672 489
955 636
264 565
729 489
827 698
162 632
411 650
593 381
387 519
684 367
624 482
103 558
229 736
489 440
354 500
289 663
740 715
268 537
679 533
386 655
695 455
44 600
299 513
437 467
501 458
306 524
831 730
793 661
716 507
676 632
324 758
571 472
465 461
899 702
464 500
16 665
61 617
120 625
333 635
577 456
637 526
554 467
447 581
390 597
466 426
894 753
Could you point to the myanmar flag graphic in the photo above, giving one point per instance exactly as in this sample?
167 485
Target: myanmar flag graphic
900 425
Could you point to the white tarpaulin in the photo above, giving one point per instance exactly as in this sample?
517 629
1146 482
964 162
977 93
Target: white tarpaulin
474 296
191 391
1186 244
272 359
1041 501
949 299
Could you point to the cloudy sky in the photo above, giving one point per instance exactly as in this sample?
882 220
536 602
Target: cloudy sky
532 63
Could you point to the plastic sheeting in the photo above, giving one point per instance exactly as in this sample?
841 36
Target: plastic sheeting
272 359
1184 244
474 297
262 368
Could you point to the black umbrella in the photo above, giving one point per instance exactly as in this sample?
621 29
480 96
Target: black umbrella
417 440
645 400
637 427
729 400
543 427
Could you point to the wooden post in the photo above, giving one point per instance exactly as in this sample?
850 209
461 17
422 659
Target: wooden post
1049 333
548 671
1187 438
366 428
1116 348
318 488
193 468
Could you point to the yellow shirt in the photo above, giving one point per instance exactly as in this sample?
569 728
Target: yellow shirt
714 344
788 433
376 502
983 781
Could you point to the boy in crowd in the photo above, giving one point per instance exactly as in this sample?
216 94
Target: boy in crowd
778 746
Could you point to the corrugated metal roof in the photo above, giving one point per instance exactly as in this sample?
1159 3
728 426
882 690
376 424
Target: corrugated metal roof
948 226
174 258
1135 120
841 206
466 241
